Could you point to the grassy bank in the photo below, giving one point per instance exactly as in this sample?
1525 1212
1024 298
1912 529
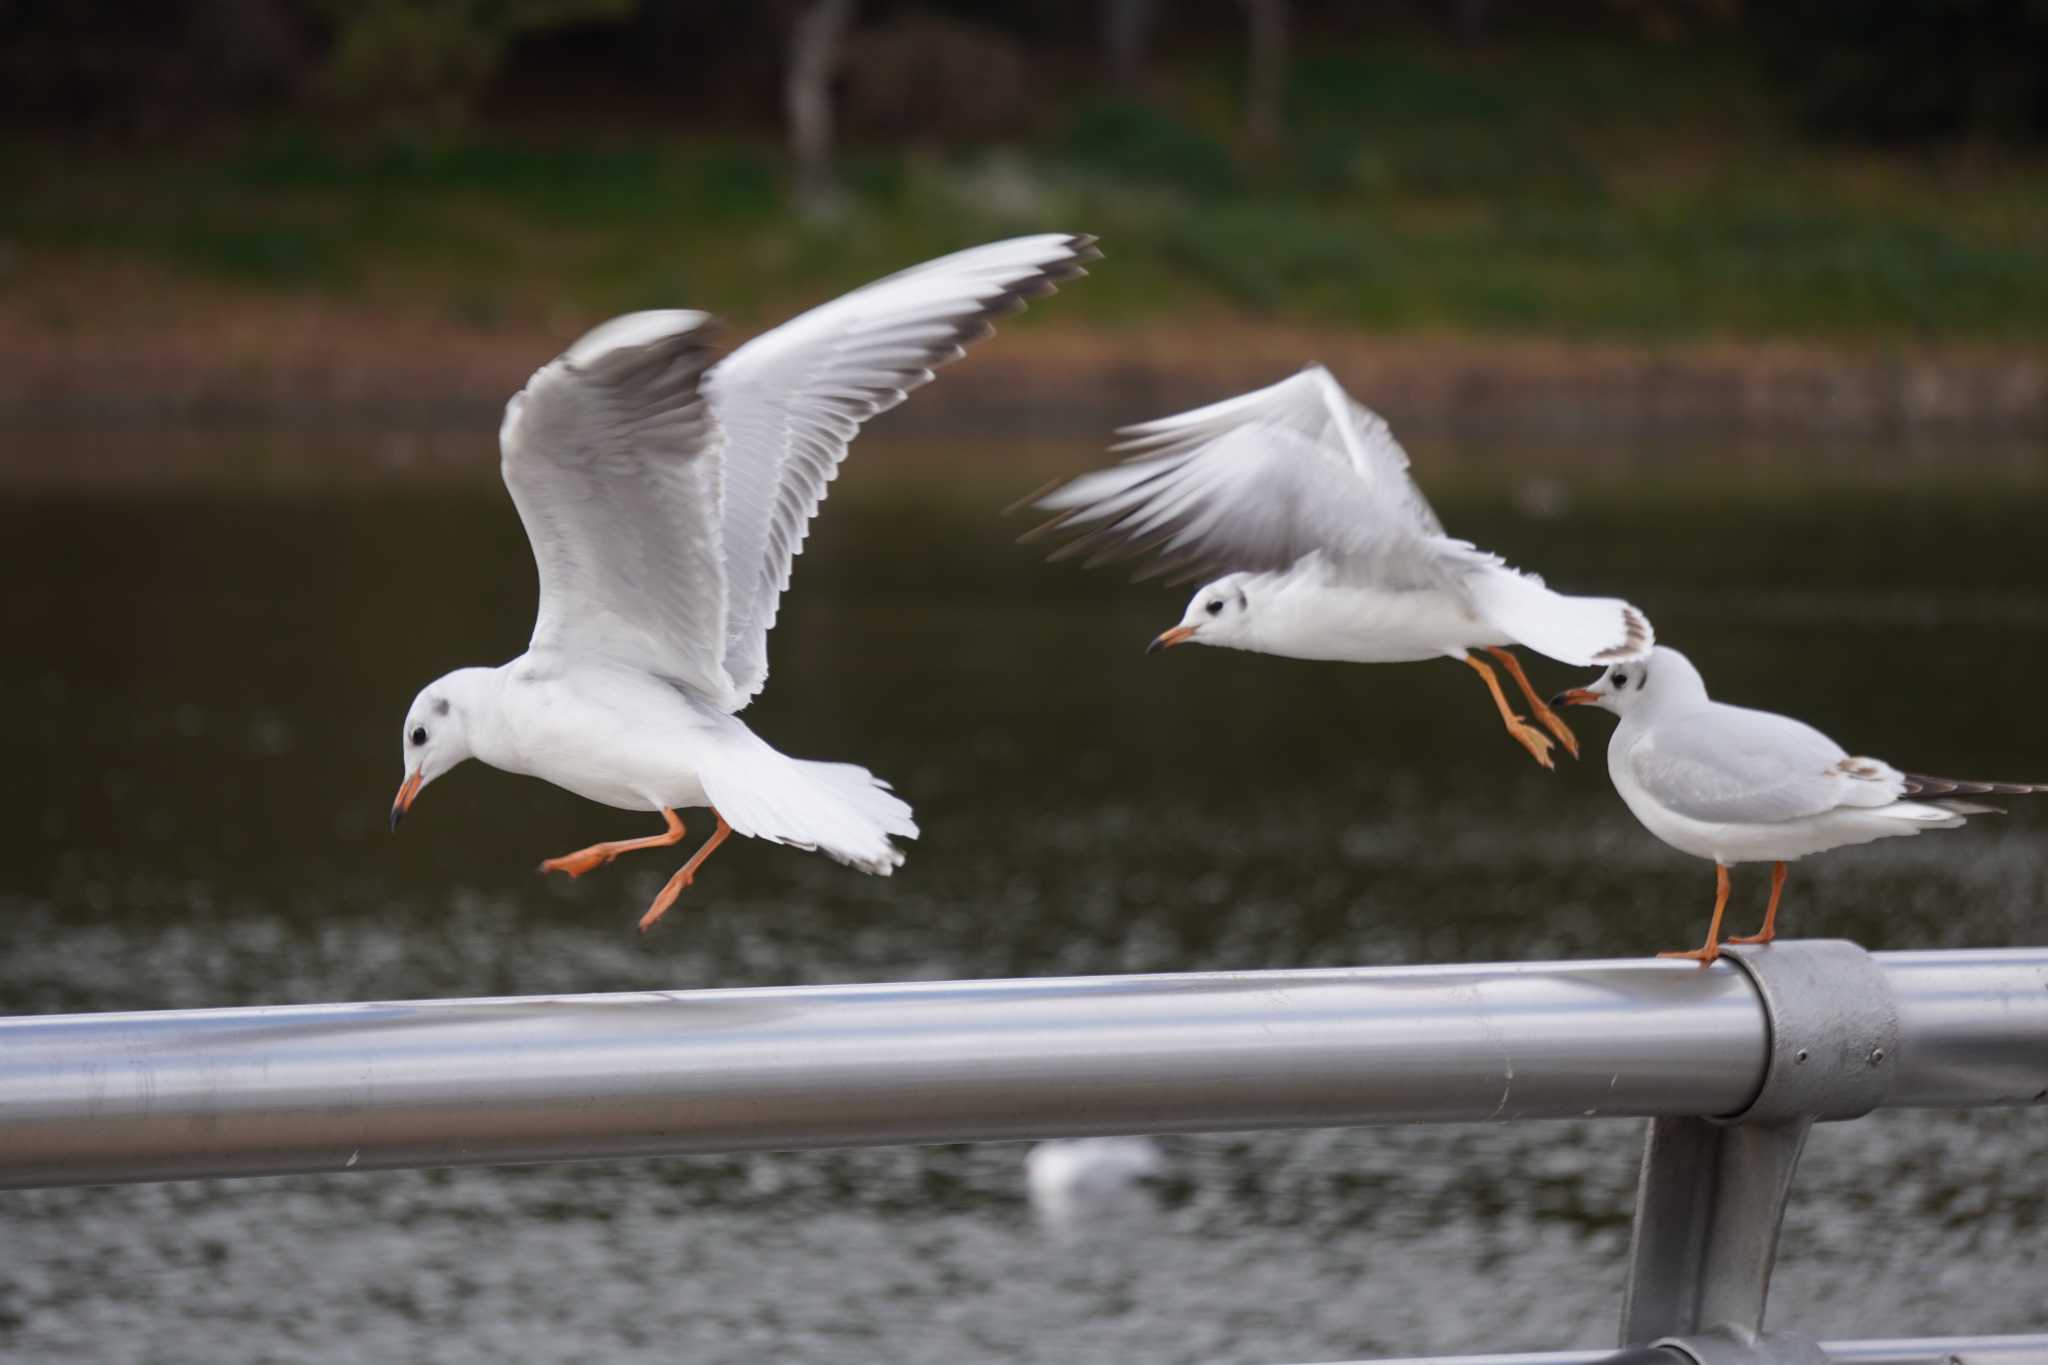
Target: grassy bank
1556 190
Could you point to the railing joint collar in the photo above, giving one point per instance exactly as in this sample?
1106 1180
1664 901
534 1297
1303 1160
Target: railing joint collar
1833 1030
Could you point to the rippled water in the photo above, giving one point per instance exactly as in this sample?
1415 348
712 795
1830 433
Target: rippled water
204 686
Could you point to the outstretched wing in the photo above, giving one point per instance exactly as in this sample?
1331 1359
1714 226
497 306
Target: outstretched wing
613 459
1729 763
1255 483
791 400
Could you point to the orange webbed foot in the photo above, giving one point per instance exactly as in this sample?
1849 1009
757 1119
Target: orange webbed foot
1554 723
581 861
677 884
1712 949
597 855
1521 731
1532 739
1538 708
675 887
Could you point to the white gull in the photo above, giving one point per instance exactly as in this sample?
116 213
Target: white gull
666 493
1741 786
1301 498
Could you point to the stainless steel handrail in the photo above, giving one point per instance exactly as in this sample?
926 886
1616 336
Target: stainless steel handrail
101 1098
2002 1350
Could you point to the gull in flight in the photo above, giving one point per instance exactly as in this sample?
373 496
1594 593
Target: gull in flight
1741 786
1301 498
666 493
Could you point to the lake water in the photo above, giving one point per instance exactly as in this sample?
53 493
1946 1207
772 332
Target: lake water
204 684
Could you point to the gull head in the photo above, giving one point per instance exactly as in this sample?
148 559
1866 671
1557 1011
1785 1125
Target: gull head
1219 614
1663 677
436 735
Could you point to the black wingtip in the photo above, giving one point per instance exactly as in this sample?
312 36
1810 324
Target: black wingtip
1922 785
1635 638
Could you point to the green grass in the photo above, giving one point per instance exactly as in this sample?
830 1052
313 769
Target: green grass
1572 190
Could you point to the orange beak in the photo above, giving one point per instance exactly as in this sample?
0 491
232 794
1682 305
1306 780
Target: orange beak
1167 639
403 802
1577 696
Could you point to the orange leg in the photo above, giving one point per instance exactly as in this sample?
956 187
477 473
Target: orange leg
597 855
1527 735
1713 948
1770 929
683 878
1538 707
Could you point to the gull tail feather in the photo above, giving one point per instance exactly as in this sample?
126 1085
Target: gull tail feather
839 809
1943 814
1931 788
1588 631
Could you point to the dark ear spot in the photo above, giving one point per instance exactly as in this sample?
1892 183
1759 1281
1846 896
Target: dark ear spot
441 706
1242 600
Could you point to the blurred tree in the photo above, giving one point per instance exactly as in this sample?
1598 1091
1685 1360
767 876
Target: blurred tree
814 40
1266 80
1127 45
419 66
930 78
1675 21
138 69
1911 70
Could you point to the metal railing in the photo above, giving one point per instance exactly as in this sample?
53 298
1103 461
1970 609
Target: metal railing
1732 1063
2007 1350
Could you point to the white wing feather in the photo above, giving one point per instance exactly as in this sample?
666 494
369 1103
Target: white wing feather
1731 764
613 461
1255 483
791 400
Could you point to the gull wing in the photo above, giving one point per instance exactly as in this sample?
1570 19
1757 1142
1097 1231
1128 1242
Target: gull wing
614 462
1256 483
790 402
1732 764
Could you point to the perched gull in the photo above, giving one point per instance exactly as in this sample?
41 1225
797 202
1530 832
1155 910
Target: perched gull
665 493
1741 786
1301 497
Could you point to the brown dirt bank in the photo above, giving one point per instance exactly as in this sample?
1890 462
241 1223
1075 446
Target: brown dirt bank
127 344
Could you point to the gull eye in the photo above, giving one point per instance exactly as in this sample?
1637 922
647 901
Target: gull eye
1216 607
1621 680
419 735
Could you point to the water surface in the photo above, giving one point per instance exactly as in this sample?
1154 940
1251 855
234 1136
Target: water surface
205 678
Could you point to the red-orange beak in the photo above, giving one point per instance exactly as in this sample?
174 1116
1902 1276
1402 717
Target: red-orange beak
1577 696
403 802
1167 639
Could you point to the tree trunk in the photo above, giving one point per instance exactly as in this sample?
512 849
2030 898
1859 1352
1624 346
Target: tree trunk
1265 114
1126 40
807 102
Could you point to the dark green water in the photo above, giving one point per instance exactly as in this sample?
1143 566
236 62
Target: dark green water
204 688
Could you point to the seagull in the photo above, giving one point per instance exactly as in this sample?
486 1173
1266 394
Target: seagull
1301 498
1741 786
1079 1184
666 493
